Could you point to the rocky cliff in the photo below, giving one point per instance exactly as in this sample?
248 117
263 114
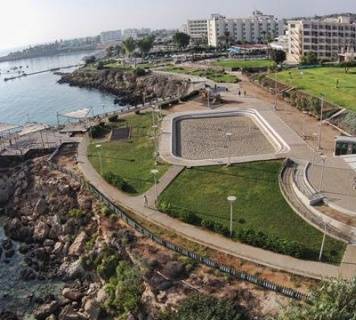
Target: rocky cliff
129 87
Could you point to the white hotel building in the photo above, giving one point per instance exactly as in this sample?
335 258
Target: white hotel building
327 38
218 29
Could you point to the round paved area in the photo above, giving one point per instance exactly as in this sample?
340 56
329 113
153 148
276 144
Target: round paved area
205 138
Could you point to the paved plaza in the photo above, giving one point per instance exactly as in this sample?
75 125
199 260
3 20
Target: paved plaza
207 138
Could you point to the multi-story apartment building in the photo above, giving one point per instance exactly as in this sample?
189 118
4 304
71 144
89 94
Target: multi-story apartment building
197 29
136 33
110 36
327 38
256 29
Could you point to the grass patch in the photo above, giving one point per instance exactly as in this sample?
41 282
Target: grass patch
245 64
218 76
260 205
323 80
131 160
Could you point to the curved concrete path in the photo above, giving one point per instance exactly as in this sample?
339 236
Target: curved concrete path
136 204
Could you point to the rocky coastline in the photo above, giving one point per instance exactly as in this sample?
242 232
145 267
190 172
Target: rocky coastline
129 87
65 256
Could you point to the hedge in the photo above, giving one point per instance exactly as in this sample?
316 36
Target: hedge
248 236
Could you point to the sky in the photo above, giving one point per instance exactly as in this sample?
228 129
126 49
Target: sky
25 22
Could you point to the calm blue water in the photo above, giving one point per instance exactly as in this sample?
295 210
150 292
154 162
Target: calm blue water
39 97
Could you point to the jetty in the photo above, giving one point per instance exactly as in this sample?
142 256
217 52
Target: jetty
42 71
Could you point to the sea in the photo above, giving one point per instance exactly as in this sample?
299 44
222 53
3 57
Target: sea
38 98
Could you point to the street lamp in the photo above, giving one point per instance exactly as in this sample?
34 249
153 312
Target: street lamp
155 127
228 136
98 148
154 173
323 159
323 242
231 200
321 120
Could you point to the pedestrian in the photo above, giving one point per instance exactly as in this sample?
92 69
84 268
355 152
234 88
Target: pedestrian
245 93
146 201
239 93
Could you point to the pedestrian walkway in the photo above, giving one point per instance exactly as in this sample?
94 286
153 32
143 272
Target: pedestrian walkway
162 184
310 269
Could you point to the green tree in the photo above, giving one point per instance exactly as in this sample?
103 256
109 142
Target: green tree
278 56
333 300
181 39
117 50
145 45
310 58
129 45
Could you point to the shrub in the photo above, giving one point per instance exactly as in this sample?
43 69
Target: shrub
140 72
107 266
191 218
75 213
114 118
119 182
99 131
124 290
201 307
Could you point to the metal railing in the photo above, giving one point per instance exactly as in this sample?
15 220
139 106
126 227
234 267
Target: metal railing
241 275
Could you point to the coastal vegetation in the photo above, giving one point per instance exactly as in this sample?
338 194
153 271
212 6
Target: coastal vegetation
245 64
218 76
127 164
332 299
202 307
199 196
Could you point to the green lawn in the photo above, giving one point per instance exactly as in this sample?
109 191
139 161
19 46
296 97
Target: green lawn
132 160
322 80
260 205
218 76
244 64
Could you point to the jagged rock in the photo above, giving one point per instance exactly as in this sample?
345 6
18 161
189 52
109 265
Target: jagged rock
92 309
77 248
28 274
101 296
46 310
48 243
6 244
41 207
9 253
68 313
7 315
6 189
85 203
41 231
72 270
15 230
72 294
174 269
51 317
130 316
58 247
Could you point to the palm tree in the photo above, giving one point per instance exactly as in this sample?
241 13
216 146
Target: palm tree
129 46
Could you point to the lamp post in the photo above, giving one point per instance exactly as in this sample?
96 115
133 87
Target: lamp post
98 149
323 159
154 173
231 200
323 242
155 127
321 120
228 137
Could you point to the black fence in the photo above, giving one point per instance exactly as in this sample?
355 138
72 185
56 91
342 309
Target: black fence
265 284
